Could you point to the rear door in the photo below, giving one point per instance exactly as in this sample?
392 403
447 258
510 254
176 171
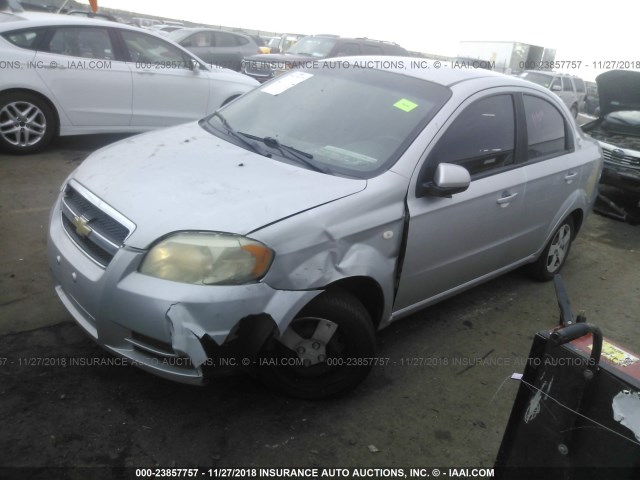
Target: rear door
454 241
553 168
79 66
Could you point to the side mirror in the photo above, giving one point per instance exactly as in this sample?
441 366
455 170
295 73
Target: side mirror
448 180
195 66
556 88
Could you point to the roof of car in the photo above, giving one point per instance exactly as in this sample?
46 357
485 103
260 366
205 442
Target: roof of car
427 70
14 21
209 29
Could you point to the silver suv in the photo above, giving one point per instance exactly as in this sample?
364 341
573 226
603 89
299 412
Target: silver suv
569 88
277 235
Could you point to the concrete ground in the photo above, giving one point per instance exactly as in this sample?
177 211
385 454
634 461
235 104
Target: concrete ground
442 400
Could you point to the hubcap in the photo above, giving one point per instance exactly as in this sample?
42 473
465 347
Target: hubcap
22 124
559 248
313 349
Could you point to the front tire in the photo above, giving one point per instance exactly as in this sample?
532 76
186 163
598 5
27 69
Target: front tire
555 253
27 123
327 350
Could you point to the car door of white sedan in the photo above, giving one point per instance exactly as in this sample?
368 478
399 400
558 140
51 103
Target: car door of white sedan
78 66
455 241
166 90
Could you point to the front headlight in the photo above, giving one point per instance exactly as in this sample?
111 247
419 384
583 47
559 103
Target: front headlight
205 258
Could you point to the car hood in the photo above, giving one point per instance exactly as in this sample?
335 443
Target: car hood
618 90
282 58
185 178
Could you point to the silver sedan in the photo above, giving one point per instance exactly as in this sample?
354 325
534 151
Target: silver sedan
278 234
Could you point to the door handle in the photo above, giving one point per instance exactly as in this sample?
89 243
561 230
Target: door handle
506 198
570 176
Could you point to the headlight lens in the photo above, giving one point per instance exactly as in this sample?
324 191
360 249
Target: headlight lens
206 258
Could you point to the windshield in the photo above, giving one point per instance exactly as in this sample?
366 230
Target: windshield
313 46
539 78
354 122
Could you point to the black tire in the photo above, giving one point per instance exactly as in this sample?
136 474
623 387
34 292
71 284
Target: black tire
33 123
555 253
347 357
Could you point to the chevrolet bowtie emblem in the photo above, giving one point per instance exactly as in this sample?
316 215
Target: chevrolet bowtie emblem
82 227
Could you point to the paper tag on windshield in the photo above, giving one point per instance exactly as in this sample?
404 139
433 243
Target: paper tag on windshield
285 83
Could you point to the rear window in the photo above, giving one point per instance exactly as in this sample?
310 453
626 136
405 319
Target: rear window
29 39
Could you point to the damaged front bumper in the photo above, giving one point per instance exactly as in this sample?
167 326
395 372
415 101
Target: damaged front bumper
178 331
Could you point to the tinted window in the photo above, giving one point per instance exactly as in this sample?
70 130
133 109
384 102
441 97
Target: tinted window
148 49
348 49
371 50
545 128
579 83
566 84
81 42
556 83
481 138
200 39
25 38
225 40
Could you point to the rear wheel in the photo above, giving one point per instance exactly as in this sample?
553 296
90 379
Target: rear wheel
555 253
27 123
326 351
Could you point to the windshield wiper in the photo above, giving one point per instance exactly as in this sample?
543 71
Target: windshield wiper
256 147
289 152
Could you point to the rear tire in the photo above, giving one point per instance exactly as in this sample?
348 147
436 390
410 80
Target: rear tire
555 253
327 350
27 123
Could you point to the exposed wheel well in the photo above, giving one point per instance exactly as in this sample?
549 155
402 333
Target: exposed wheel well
578 218
42 97
367 291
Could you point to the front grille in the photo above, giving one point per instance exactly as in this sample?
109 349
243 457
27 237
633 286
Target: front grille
257 68
93 230
622 160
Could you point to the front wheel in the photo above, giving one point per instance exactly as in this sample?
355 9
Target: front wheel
555 253
27 123
327 350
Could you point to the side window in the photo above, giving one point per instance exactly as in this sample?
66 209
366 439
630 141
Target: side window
149 49
545 128
25 38
372 50
481 138
225 40
200 39
81 42
555 83
566 84
347 49
579 83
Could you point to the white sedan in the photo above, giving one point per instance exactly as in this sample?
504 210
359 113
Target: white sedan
65 75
